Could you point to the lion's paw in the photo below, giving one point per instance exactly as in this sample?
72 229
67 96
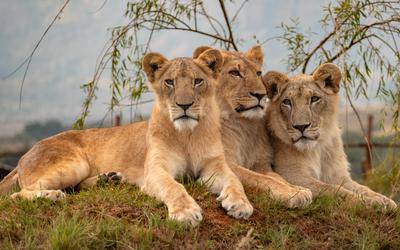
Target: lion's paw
381 200
235 203
109 178
187 212
54 195
299 198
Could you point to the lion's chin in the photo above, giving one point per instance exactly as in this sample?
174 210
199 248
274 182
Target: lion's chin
256 113
185 124
305 144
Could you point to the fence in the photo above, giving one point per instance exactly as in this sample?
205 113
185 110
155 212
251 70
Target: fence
368 145
366 163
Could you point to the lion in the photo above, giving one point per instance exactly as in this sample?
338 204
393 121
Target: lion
118 153
306 138
182 138
242 99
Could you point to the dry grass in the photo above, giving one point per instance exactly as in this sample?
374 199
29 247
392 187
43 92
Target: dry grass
120 217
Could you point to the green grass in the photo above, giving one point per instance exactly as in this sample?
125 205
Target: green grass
120 217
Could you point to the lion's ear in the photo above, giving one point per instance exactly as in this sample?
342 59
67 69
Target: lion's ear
255 54
153 62
213 60
328 77
197 52
274 82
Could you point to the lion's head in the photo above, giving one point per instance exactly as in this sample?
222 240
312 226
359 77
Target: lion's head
303 108
185 86
240 87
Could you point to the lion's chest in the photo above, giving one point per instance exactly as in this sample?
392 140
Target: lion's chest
246 144
193 156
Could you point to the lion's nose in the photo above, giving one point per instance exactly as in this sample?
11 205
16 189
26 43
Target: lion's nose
259 96
301 127
184 106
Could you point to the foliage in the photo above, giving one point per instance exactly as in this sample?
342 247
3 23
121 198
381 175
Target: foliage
124 51
355 33
362 37
386 176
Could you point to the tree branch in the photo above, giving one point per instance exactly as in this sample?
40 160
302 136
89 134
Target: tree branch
338 26
28 60
348 47
232 41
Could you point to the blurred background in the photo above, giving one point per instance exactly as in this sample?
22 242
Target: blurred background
64 68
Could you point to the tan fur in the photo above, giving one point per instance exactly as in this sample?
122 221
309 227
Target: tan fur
67 159
173 148
244 134
121 149
176 149
314 158
9 181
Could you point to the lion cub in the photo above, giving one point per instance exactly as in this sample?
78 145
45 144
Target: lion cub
184 136
306 136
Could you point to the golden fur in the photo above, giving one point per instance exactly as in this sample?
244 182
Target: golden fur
121 149
184 136
308 149
77 157
242 100
179 140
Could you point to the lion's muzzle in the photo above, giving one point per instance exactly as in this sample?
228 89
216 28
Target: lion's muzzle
184 116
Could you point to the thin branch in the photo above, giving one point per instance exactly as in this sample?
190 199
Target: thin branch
158 12
210 19
228 24
238 11
100 8
347 48
137 103
195 14
16 69
269 39
315 49
337 27
356 41
28 60
196 31
153 28
356 113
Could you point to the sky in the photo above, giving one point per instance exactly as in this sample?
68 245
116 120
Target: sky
66 58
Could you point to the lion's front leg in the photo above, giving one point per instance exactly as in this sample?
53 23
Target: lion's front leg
318 187
222 181
369 196
292 196
158 182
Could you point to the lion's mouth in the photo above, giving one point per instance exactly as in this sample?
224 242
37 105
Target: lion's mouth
242 108
304 138
186 117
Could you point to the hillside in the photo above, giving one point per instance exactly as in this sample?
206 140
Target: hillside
120 217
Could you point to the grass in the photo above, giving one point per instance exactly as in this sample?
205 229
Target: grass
121 217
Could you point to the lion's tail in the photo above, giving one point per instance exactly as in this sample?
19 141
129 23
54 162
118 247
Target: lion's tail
8 182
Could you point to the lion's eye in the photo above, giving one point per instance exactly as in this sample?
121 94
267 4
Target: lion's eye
259 73
198 81
315 99
287 102
169 82
235 73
